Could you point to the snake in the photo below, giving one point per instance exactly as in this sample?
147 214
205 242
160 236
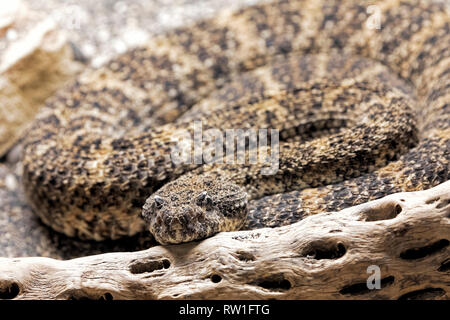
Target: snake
362 112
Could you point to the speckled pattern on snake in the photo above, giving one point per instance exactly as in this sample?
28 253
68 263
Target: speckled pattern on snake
363 112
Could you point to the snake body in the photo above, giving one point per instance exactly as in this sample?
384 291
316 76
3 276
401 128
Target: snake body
100 147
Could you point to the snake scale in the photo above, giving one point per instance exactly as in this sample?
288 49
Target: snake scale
362 112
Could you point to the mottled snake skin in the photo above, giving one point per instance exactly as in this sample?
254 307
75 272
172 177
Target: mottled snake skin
100 148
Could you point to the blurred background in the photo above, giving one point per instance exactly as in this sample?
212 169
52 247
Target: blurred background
103 28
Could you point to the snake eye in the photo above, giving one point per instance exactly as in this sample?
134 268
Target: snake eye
159 202
204 200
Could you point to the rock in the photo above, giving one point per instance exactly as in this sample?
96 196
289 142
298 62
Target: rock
35 60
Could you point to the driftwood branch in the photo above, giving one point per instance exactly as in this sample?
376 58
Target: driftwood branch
326 256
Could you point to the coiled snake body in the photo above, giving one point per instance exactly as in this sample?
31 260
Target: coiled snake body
101 147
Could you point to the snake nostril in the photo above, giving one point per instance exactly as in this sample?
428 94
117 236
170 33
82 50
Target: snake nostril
177 223
167 220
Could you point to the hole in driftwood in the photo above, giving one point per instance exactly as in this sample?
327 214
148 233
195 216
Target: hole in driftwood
361 287
149 266
440 203
9 290
216 278
245 256
381 211
417 253
275 283
445 266
166 264
429 293
324 250
430 201
80 295
107 297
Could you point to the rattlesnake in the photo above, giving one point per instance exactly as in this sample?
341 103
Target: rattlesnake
86 162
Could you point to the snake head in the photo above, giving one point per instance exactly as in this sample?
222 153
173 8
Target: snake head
194 207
